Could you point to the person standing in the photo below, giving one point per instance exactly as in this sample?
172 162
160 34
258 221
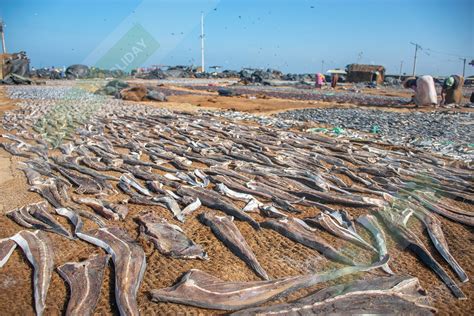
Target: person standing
334 80
425 91
320 80
451 91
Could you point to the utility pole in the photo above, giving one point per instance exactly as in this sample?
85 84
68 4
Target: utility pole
202 43
464 66
2 33
401 67
417 47
322 66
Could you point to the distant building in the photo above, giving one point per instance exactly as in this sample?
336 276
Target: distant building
365 73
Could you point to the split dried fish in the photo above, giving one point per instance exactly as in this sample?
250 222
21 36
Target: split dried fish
169 239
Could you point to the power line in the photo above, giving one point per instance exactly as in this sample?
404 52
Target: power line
444 53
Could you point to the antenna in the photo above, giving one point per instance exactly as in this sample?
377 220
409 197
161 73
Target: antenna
202 43
417 47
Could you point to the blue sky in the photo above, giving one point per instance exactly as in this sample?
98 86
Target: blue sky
291 35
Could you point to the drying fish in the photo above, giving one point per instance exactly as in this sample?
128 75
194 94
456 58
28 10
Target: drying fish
433 226
222 189
410 240
85 185
67 148
252 205
169 239
298 231
100 178
128 257
53 191
238 187
285 205
39 211
129 262
170 203
36 216
15 150
135 198
380 296
33 176
85 281
216 201
347 200
270 191
226 231
204 178
189 179
133 183
344 219
334 227
89 215
463 219
98 207
371 224
156 187
198 288
38 249
7 246
191 207
270 211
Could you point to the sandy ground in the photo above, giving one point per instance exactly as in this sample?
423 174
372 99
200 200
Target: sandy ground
278 255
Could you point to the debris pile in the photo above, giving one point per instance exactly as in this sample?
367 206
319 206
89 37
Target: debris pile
122 90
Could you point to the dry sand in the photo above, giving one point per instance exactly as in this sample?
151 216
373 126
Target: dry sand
277 254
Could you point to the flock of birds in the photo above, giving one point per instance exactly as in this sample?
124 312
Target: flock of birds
80 158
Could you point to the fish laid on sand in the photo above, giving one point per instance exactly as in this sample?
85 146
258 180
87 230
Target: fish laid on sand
372 225
105 209
215 201
192 205
84 184
128 257
85 282
38 249
226 231
135 198
7 246
410 240
36 216
53 191
169 239
298 231
334 227
399 295
170 204
433 226
198 288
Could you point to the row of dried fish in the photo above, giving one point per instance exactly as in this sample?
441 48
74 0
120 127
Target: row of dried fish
181 161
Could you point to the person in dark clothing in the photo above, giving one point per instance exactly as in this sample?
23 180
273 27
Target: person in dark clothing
334 80
451 91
